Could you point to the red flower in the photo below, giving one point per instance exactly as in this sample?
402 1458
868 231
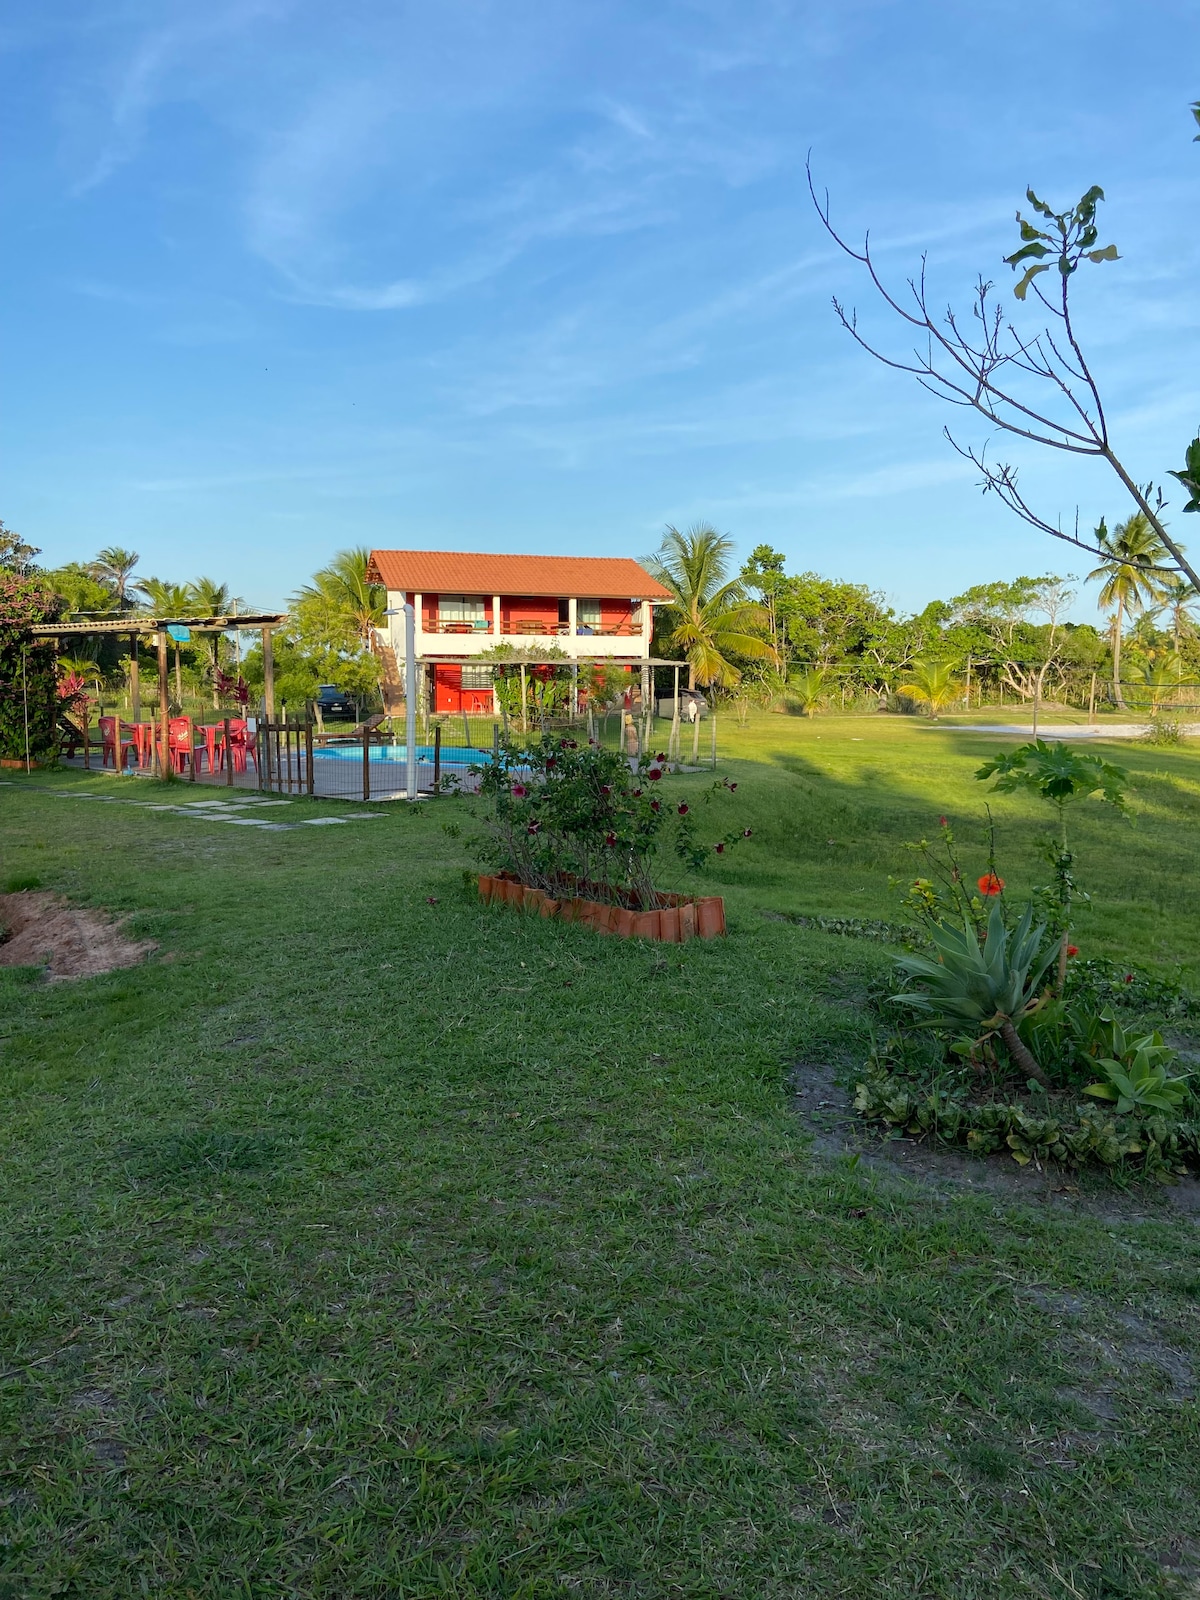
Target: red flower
990 884
1129 977
606 788
534 827
682 810
656 805
431 900
654 774
610 839
719 848
942 823
519 791
661 756
1072 949
551 761
732 787
746 833
637 794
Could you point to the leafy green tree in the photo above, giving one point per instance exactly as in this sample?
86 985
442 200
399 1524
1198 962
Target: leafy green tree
763 573
1130 582
15 554
709 619
1177 597
932 684
82 592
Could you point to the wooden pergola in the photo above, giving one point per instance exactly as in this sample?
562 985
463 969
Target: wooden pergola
137 627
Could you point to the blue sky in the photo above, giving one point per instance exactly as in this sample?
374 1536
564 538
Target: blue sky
286 276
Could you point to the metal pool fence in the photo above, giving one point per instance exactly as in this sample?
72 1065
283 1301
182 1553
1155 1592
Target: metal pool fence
292 756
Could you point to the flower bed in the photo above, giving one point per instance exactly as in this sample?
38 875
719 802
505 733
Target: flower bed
676 919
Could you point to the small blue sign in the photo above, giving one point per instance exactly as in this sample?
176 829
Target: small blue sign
179 634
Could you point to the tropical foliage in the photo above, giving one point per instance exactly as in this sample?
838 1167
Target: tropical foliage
710 622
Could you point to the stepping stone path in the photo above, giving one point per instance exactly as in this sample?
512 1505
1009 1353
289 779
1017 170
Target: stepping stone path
231 811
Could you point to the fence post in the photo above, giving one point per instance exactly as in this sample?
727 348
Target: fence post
713 727
308 755
696 740
495 741
366 764
437 755
227 752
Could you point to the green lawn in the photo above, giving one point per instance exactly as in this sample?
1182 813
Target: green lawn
363 1246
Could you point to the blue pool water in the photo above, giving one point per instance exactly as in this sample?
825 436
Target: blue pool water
452 755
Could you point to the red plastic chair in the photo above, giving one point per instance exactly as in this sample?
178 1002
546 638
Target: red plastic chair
181 742
210 730
241 745
115 748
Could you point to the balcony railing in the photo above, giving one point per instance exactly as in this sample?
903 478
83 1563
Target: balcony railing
530 628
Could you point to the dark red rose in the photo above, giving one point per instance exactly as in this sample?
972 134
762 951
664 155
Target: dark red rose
682 809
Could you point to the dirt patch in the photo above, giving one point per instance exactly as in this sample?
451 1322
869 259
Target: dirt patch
826 1108
42 930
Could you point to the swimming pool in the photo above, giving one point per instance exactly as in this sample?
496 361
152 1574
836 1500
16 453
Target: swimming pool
453 755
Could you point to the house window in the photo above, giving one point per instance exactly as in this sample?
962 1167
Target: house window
466 608
587 616
477 677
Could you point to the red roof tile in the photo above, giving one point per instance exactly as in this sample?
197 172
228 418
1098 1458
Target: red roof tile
454 572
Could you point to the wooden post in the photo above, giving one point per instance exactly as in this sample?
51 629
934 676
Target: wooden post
495 741
227 751
968 681
86 719
309 770
268 674
437 756
135 687
367 765
696 740
163 760
1092 701
675 720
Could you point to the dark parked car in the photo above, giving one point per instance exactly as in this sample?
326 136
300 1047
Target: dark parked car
331 702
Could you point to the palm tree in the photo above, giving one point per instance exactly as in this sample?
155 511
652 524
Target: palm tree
212 599
810 688
711 616
1132 550
1158 680
933 684
165 600
1178 597
343 590
114 566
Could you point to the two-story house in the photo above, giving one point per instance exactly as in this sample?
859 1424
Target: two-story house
585 608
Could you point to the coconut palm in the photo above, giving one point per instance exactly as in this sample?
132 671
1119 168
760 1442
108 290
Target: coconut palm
212 599
165 600
932 684
1157 681
1178 597
342 590
114 567
809 689
1130 584
709 617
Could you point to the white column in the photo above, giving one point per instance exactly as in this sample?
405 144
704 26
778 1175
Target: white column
495 616
647 626
573 624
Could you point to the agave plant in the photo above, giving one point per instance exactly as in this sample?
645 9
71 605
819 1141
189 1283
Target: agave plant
1136 1072
985 987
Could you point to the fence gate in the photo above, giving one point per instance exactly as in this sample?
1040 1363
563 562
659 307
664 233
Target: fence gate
284 756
